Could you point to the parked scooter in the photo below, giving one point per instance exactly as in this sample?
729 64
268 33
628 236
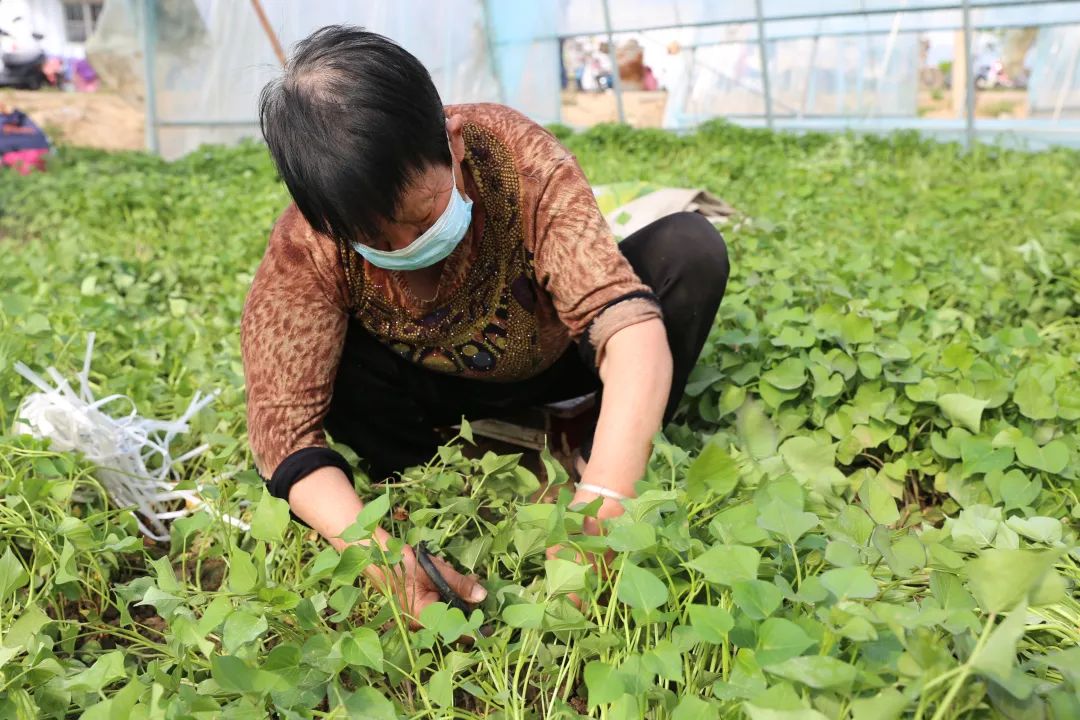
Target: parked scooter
22 60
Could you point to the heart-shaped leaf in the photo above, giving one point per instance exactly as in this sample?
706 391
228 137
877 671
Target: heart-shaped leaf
963 410
641 589
1052 457
727 564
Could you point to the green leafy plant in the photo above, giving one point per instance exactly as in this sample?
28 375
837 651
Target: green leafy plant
865 509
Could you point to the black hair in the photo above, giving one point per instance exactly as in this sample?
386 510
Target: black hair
351 123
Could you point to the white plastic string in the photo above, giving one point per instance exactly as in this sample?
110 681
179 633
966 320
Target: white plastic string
122 448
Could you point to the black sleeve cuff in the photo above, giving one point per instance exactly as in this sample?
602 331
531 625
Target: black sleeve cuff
586 350
299 465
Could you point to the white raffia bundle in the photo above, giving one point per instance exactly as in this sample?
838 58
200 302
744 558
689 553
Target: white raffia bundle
122 449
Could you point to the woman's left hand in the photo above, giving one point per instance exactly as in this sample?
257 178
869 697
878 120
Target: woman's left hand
592 526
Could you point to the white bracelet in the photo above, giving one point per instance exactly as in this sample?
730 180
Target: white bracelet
606 492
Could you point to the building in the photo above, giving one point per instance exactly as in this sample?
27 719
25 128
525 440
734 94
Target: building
66 24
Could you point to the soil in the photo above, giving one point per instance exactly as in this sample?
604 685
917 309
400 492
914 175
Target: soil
646 109
98 120
988 104
643 108
110 122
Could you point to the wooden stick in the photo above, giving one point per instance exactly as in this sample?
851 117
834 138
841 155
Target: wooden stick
265 22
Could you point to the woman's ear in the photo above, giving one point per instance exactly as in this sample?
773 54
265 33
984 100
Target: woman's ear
454 124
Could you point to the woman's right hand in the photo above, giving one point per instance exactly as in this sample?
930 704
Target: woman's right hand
413 590
326 501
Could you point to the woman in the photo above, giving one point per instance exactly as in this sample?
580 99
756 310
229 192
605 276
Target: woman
448 261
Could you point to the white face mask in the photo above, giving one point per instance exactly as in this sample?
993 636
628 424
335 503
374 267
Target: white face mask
437 242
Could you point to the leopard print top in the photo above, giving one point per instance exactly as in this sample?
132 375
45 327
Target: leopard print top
535 270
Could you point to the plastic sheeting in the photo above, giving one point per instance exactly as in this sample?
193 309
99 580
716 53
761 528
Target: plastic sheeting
212 56
831 63
525 56
1054 86
830 70
831 66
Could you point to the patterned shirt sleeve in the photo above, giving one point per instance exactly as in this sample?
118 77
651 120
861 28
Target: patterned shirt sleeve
595 291
292 334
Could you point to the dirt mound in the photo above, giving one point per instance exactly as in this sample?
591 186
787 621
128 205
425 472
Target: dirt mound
98 120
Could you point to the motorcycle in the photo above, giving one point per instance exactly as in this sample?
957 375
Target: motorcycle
22 63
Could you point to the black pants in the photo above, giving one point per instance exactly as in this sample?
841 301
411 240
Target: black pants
387 409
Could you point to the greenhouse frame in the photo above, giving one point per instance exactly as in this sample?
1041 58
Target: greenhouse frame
830 65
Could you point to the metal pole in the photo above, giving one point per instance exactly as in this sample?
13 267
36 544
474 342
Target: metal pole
862 12
860 78
1066 86
269 30
914 30
810 75
615 80
680 96
763 53
208 123
880 70
969 84
149 74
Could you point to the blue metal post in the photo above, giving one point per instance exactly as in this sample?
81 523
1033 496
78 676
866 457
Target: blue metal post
969 76
763 53
149 74
616 82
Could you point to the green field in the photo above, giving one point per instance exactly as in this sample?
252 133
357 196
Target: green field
867 507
